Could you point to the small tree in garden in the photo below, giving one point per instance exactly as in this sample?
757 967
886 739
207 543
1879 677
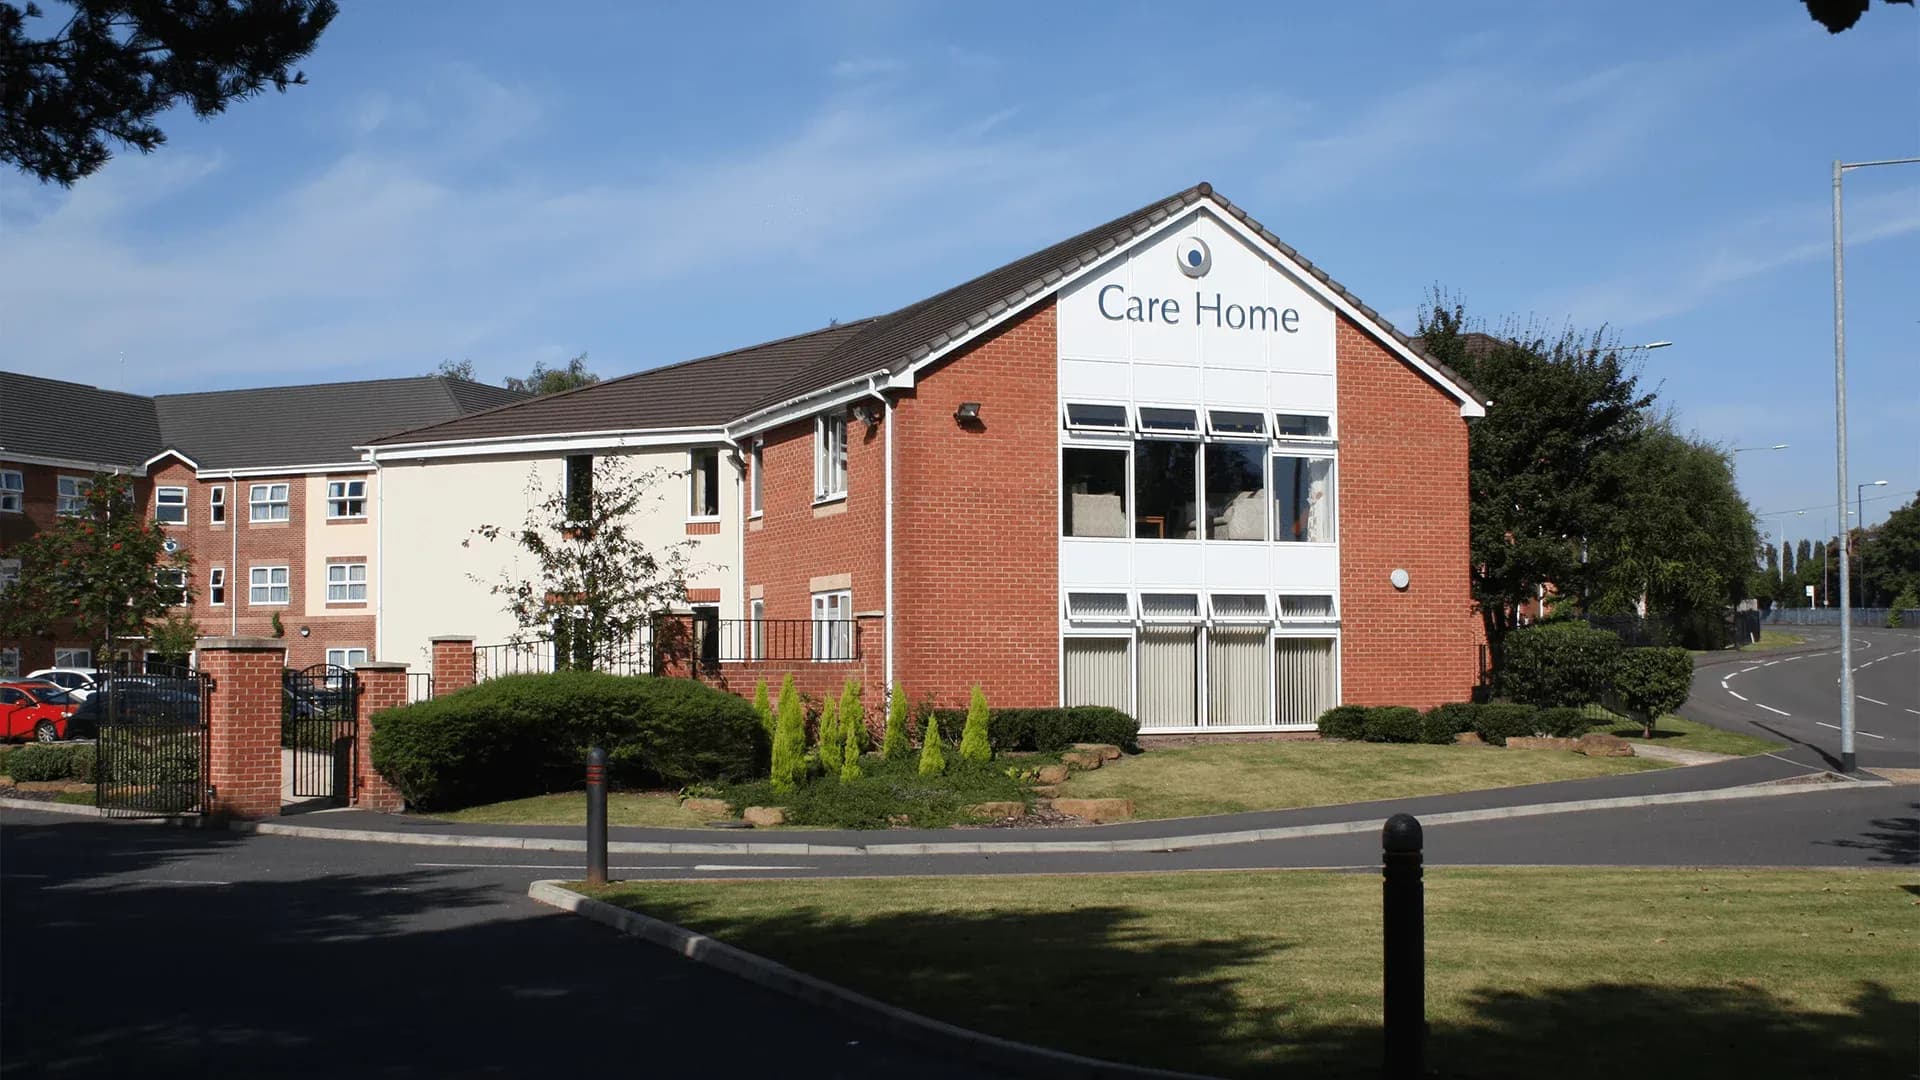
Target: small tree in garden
833 737
933 756
789 740
763 707
853 714
103 569
850 769
895 745
1906 601
594 584
973 737
1651 682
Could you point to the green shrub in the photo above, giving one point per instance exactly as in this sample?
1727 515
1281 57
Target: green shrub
763 708
895 747
529 734
1499 721
1344 722
1442 722
853 716
7 751
1391 724
850 768
43 761
933 757
1566 663
1649 682
1906 601
1563 721
890 792
973 737
789 755
1048 730
832 738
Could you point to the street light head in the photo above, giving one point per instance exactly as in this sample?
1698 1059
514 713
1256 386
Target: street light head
1878 483
1656 344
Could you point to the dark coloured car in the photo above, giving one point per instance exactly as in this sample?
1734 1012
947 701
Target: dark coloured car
134 703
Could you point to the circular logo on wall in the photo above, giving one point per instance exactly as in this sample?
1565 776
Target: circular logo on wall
170 545
1192 255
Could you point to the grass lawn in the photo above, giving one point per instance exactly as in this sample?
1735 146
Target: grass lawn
1566 973
1684 734
656 808
1769 639
1229 778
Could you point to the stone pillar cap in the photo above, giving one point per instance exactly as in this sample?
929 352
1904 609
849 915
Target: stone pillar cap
259 644
438 638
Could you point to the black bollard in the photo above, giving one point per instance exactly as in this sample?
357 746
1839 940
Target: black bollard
596 816
1403 922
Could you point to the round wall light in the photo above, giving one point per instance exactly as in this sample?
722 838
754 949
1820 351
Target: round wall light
1400 579
304 631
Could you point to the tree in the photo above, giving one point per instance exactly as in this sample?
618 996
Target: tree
449 369
895 747
832 738
1891 554
789 740
850 769
853 715
117 64
761 706
1563 402
595 584
104 571
1786 560
1839 15
973 737
546 380
1806 554
933 756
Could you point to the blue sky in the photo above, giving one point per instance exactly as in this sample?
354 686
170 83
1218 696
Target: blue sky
513 182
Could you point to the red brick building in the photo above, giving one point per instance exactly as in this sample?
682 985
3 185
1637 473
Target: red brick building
1167 464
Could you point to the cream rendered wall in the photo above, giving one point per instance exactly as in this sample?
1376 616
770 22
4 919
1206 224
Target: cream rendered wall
436 573
346 537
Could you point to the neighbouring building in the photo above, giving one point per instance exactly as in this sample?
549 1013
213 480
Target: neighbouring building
1167 465
263 488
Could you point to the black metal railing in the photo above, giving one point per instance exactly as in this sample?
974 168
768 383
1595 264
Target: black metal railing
539 656
678 644
151 755
728 641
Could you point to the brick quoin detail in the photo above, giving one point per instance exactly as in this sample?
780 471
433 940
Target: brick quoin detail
1403 504
382 687
453 665
243 737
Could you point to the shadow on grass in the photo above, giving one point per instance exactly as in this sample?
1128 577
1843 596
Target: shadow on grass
1892 840
1095 980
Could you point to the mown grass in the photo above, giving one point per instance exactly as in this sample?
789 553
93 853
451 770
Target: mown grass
1683 734
1588 973
659 809
1232 778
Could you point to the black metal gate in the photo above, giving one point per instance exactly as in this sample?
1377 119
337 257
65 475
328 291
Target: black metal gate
319 717
151 755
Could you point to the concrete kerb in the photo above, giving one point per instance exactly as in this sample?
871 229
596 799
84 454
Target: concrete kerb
1003 1055
1770 789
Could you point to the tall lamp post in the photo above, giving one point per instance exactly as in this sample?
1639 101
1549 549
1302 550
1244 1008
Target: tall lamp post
1840 169
1860 515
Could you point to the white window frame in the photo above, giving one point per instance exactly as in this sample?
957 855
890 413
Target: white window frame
74 657
757 628
217 505
1123 427
1197 617
1215 431
1332 459
71 498
255 500
13 493
756 484
346 583
217 586
172 577
833 606
829 457
255 585
345 655
1329 439
178 502
1281 614
1079 612
694 511
10 662
341 497
1145 431
1239 618
9 573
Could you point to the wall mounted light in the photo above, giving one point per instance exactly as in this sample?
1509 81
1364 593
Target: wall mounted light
304 632
968 412
1400 579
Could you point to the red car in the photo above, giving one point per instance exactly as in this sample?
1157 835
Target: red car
35 711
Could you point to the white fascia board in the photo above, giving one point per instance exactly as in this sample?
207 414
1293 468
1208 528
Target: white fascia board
802 408
71 463
280 470
566 442
171 452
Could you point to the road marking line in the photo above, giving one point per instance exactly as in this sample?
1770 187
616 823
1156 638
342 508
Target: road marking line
1864 697
1856 731
1744 670
1742 698
1771 709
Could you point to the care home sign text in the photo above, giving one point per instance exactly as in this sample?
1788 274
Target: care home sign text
1118 305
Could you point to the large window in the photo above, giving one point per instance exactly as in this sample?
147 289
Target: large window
217 586
13 491
1169 676
1236 491
1164 489
346 498
1097 671
217 506
346 658
833 625
1305 678
268 585
173 584
268 502
703 482
830 456
170 505
9 573
72 498
73 658
346 583
1303 503
1093 487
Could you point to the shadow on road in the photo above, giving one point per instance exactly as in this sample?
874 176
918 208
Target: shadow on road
1892 840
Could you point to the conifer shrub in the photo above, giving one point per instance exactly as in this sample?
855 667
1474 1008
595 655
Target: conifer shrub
851 770
933 756
895 747
763 708
832 740
891 793
789 741
973 737
1344 722
853 714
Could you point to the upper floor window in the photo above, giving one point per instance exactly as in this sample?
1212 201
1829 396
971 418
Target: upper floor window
268 502
1093 491
170 505
217 586
1303 503
9 573
1169 421
580 487
73 494
268 585
830 456
758 468
346 498
13 491
703 482
1231 423
346 582
1086 416
173 583
1302 426
217 505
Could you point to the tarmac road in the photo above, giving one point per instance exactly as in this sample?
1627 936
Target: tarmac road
1793 696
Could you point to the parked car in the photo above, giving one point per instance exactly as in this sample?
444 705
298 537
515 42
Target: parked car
81 681
138 703
37 711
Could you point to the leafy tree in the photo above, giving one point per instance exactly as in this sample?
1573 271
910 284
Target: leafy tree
1806 554
762 707
933 756
832 737
894 746
1839 15
1786 560
174 637
595 584
973 737
104 571
115 65
1563 402
448 369
1890 556
546 380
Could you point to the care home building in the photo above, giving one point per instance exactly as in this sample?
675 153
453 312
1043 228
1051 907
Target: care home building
1167 465
263 488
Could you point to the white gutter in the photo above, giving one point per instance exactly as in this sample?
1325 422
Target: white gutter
740 532
584 440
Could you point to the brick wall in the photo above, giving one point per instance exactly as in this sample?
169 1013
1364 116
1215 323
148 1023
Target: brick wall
382 687
38 512
243 729
1403 504
976 555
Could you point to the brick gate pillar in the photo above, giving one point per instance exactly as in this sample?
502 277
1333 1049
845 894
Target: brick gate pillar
452 664
243 724
382 686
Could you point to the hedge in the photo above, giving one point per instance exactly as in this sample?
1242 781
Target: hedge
1568 664
1496 723
1563 721
1344 722
528 734
1391 724
51 761
1047 729
1442 722
1649 682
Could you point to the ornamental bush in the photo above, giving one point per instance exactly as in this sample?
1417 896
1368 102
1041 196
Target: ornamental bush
973 737
1442 722
1391 724
895 746
1649 682
789 753
528 734
891 793
853 716
850 769
763 708
1566 663
1343 722
1047 730
832 737
1563 721
1499 721
933 757
48 761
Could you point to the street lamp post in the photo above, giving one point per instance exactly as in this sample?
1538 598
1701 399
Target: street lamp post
1840 168
1860 515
